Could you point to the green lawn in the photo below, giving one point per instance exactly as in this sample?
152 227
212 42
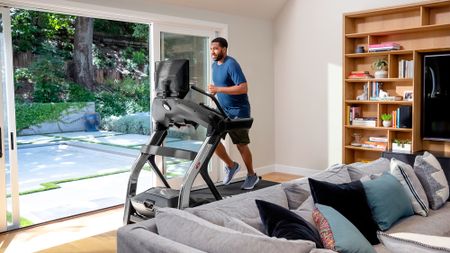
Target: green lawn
23 221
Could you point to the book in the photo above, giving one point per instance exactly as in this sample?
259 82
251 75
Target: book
382 139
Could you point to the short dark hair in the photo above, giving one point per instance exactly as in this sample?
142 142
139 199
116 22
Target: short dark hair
222 42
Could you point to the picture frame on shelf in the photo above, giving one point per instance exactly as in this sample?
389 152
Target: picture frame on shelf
408 95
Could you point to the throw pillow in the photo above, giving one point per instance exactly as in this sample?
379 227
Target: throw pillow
282 223
350 200
387 200
305 210
186 228
433 179
417 243
358 170
338 233
298 190
405 174
240 226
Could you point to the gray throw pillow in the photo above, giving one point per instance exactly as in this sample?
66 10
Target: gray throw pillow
297 191
358 170
305 210
188 229
405 174
432 177
240 226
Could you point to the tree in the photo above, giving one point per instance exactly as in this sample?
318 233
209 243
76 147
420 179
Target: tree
82 52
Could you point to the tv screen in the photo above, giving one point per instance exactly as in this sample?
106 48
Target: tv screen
436 97
172 78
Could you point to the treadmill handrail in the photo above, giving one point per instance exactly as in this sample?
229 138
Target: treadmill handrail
169 152
211 96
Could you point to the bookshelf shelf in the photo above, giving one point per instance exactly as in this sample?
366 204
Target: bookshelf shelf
355 102
418 28
384 53
380 128
383 80
365 149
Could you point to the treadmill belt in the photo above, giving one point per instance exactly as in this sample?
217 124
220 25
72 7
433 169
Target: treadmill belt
203 196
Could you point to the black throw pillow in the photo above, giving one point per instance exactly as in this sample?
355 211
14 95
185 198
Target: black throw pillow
350 200
282 223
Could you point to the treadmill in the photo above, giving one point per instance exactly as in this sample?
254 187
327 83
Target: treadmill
171 109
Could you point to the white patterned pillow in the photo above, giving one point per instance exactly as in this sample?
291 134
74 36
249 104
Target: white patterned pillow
414 243
405 174
432 177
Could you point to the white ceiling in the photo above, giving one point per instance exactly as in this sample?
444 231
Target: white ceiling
265 9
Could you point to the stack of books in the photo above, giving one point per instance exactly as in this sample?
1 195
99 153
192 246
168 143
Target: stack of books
406 69
360 75
376 142
365 121
352 113
387 46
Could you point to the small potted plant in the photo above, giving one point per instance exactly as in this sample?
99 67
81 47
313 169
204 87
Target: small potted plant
401 145
386 118
380 66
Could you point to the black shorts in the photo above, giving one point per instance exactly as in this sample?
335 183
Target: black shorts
239 136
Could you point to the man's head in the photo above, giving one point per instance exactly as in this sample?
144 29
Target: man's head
219 48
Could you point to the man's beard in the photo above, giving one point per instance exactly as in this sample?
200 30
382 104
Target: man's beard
219 57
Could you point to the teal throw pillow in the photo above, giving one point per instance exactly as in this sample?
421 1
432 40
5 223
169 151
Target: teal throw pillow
338 233
388 200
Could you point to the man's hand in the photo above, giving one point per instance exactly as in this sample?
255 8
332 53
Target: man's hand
213 89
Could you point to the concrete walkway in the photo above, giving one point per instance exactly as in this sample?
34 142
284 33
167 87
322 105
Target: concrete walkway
52 157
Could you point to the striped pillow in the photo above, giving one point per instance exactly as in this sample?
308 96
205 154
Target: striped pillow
405 174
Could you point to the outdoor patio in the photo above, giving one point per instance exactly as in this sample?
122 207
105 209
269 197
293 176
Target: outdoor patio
91 170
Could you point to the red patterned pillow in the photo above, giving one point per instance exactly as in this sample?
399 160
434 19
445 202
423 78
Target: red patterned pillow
324 230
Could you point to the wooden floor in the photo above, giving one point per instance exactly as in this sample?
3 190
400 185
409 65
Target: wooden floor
90 233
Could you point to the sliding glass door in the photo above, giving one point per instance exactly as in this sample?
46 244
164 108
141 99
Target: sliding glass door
171 42
9 188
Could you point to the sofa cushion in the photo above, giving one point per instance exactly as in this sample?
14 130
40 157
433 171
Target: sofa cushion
406 176
240 226
338 233
387 200
282 223
188 229
433 179
141 237
241 206
436 223
298 190
412 242
357 170
349 199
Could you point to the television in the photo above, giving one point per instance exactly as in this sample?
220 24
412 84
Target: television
436 97
172 78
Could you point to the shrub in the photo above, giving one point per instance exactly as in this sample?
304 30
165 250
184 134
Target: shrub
79 93
138 123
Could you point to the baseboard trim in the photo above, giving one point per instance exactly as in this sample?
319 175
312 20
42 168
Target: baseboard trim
286 169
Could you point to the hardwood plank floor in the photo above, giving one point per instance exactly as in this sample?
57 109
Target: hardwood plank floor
87 234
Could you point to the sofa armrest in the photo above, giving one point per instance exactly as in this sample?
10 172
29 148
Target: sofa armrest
136 238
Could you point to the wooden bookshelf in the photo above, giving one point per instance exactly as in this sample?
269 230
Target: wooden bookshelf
419 28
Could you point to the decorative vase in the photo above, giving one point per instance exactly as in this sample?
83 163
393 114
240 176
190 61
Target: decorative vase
381 74
387 123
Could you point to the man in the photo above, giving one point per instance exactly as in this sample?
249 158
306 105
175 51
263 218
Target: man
230 86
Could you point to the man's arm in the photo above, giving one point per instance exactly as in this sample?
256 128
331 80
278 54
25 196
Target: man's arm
231 90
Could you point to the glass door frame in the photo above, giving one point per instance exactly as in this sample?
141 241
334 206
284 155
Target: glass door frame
8 107
157 28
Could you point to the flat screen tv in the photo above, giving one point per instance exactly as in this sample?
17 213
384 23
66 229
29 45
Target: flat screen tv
436 97
172 78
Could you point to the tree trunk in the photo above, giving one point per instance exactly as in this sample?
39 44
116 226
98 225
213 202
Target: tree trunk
82 52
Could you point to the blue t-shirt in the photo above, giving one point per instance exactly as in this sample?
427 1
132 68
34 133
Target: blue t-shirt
227 74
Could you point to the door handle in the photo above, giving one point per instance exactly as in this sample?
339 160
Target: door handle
12 140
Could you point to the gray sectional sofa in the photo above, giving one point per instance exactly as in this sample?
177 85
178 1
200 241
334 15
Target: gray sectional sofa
146 237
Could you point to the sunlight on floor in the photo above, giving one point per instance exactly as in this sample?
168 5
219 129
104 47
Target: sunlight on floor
48 238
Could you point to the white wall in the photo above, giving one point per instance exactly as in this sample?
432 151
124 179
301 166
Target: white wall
250 42
308 80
